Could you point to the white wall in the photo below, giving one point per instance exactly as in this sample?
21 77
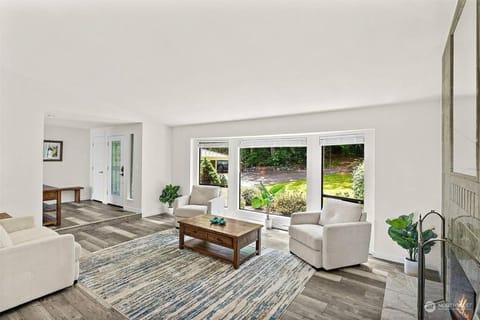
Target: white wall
74 169
133 204
156 165
21 137
407 155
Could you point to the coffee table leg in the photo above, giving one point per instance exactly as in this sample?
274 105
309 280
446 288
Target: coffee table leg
259 242
236 254
181 237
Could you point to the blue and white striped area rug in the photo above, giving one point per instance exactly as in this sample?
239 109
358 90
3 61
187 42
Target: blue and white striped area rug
150 278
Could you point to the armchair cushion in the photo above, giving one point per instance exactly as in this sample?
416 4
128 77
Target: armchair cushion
202 194
19 223
310 235
33 234
5 240
189 211
337 211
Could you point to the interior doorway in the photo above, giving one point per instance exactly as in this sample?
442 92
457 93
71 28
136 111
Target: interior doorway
98 168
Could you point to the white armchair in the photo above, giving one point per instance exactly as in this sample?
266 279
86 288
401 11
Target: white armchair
34 261
202 200
336 237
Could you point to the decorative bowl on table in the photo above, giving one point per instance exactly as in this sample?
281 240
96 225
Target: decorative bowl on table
219 221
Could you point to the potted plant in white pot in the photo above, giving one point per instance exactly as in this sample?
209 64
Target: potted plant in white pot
404 232
168 196
266 199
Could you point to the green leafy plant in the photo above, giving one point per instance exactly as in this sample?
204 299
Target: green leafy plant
169 194
290 202
403 230
267 197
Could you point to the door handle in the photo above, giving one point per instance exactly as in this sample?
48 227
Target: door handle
122 171
100 172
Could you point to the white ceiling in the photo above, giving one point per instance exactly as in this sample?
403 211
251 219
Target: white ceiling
193 61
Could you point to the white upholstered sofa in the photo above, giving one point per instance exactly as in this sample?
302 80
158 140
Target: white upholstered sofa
202 200
34 261
336 237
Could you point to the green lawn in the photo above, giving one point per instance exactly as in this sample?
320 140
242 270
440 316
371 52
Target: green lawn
334 184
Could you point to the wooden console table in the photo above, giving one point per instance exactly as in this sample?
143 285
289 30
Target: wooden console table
54 193
4 215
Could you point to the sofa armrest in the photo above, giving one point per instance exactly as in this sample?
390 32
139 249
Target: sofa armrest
33 269
216 205
345 244
305 218
181 201
16 224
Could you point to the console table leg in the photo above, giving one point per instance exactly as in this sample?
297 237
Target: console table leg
59 208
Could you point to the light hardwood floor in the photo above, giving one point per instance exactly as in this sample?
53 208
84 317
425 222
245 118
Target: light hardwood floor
349 293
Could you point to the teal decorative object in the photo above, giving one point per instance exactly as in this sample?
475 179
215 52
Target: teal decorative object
219 221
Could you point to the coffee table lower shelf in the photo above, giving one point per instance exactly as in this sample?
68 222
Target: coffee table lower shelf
217 251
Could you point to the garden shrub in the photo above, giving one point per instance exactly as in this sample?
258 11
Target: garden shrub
223 181
208 174
248 194
242 203
358 181
290 202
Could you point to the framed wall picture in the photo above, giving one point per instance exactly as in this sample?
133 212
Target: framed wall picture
52 150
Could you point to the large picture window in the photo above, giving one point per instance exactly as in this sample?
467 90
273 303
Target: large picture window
213 168
281 170
343 169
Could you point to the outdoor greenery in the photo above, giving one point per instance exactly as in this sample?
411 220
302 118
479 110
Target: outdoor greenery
266 197
209 175
358 181
248 194
289 202
274 157
169 194
404 232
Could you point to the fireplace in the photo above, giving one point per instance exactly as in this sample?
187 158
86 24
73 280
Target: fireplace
463 296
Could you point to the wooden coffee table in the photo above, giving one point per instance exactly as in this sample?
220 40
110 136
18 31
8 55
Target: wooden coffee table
222 242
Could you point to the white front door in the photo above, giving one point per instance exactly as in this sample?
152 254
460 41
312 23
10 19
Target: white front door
116 170
98 169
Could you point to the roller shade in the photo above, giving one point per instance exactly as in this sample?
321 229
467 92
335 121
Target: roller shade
342 140
274 142
212 144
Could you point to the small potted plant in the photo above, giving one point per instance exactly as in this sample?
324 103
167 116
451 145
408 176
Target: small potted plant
168 196
404 232
266 199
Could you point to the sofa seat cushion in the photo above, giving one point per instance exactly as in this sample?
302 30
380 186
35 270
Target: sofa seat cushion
310 235
189 211
5 240
32 234
338 211
201 195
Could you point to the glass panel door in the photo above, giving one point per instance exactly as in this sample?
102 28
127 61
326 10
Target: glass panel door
116 172
116 167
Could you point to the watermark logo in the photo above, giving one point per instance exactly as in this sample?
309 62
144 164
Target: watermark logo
430 306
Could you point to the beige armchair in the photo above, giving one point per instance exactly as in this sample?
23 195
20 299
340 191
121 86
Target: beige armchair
202 200
336 237
34 261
